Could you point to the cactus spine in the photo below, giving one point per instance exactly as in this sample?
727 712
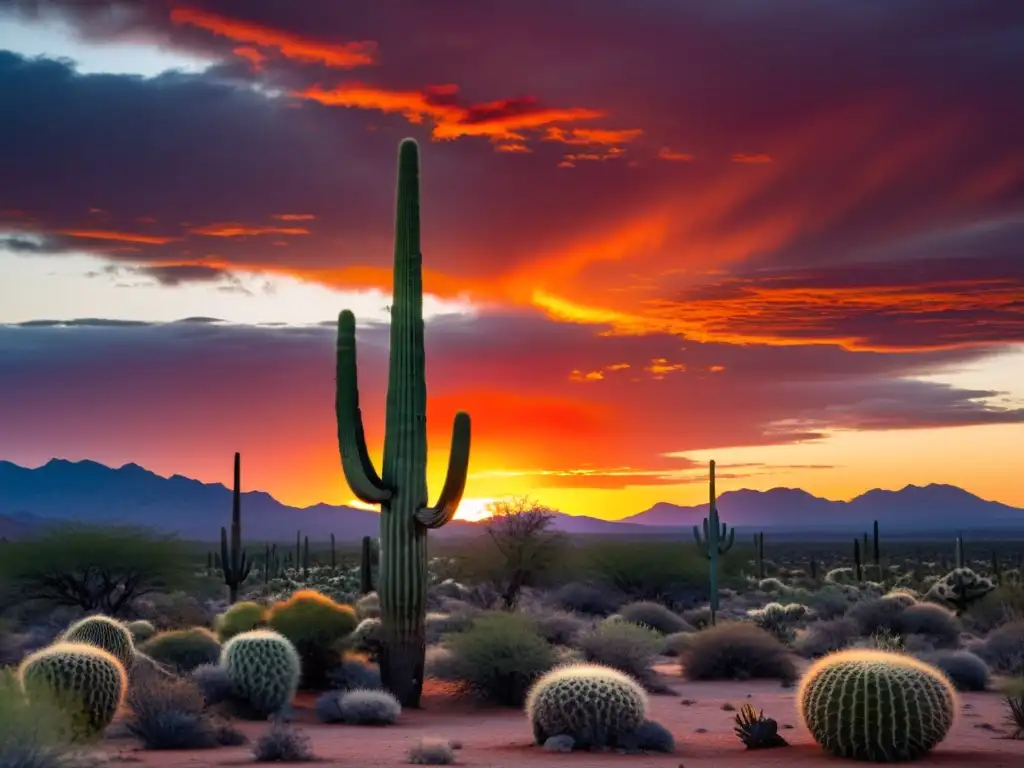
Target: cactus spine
718 539
402 489
233 562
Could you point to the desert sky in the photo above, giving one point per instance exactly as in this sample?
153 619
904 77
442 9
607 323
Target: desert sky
788 236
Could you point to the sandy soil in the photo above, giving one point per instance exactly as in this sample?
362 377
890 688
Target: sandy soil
703 731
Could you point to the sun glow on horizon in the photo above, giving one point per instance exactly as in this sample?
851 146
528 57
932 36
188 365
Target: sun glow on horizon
470 510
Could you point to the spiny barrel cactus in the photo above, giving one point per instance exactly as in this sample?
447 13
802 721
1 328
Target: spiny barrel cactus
401 490
264 668
598 706
141 630
106 633
876 706
88 681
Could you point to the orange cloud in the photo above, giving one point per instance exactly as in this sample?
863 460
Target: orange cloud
291 46
592 136
294 216
660 366
740 157
123 237
679 157
252 55
512 147
503 120
234 229
578 375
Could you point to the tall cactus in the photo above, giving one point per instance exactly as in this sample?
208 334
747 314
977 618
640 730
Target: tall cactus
233 562
718 539
366 566
401 490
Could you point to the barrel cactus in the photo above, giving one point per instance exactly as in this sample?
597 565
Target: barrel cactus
314 624
264 669
106 633
88 681
141 630
876 706
596 705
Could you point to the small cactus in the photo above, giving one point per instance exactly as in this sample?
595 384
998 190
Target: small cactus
876 706
106 633
87 680
264 668
598 706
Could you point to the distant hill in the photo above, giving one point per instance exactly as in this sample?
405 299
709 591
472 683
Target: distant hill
911 509
87 491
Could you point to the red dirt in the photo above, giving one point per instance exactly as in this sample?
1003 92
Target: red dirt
499 738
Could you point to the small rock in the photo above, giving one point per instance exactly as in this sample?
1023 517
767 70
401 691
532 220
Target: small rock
560 744
750 695
727 707
788 727
700 730
985 726
687 702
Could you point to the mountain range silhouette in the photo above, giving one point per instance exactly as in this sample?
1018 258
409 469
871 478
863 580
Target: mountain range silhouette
90 492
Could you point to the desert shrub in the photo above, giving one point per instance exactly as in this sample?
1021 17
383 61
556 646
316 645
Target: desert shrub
353 672
1003 649
654 737
659 571
655 616
440 624
558 627
1001 606
213 682
590 599
698 618
141 630
366 638
359 707
86 680
938 624
629 648
596 705
239 618
168 713
829 602
841 576
368 606
176 610
877 614
281 743
183 649
440 664
94 568
876 706
676 643
966 671
736 651
314 624
500 657
774 619
428 751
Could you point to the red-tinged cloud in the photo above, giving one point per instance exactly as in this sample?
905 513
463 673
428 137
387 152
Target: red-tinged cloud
506 120
234 229
874 162
294 216
300 48
122 237
759 159
252 55
679 157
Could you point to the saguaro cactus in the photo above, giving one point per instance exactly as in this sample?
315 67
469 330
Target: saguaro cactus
233 562
718 539
401 490
366 566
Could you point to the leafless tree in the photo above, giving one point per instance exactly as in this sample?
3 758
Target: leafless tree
521 531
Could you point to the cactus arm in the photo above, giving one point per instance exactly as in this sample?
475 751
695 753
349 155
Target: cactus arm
355 458
455 479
